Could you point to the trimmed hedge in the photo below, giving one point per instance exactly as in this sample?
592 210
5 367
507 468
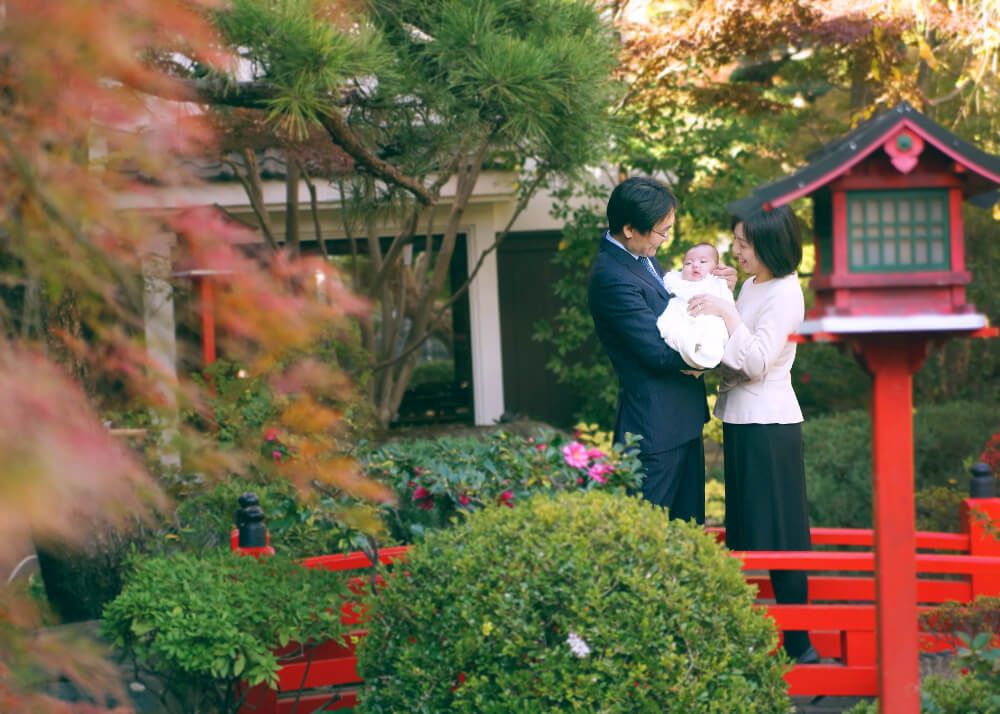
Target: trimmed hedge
585 602
947 438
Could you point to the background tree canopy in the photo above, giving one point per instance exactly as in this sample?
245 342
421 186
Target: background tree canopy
414 94
727 94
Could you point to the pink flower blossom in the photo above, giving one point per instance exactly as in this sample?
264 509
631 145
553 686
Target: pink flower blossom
463 499
276 455
599 470
575 455
271 434
507 499
541 447
422 497
595 453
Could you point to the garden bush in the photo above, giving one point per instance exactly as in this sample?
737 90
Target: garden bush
588 602
947 437
440 480
299 527
191 627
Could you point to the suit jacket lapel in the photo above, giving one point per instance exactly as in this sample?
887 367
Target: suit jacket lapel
635 266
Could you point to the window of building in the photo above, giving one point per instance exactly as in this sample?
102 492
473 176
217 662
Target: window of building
898 231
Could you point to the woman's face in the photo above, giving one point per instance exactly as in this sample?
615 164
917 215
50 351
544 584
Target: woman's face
747 258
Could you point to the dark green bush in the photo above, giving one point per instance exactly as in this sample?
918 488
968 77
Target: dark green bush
938 508
298 528
838 456
191 627
587 602
439 480
828 380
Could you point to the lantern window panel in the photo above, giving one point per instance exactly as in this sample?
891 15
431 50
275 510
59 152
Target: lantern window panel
898 231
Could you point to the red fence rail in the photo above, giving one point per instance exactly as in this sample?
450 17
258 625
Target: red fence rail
840 615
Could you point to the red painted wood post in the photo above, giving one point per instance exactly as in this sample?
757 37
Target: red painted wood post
892 360
207 291
981 520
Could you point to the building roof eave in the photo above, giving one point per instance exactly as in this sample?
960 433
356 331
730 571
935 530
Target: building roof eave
839 156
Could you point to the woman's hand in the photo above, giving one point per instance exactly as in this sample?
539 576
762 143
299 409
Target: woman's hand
727 273
705 304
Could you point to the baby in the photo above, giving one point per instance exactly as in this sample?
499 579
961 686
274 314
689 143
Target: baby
700 339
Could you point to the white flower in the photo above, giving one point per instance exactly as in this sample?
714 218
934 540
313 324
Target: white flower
577 645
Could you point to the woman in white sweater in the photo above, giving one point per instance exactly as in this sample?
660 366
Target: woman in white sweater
766 505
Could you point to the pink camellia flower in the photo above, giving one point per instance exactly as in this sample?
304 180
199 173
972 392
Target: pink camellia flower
271 434
418 470
595 453
507 499
599 470
575 455
422 497
276 455
463 499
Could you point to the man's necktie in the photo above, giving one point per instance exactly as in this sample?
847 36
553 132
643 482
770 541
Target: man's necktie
648 262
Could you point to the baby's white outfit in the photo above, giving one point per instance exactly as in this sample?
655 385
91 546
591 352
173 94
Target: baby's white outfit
699 339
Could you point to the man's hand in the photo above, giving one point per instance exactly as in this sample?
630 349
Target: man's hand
727 273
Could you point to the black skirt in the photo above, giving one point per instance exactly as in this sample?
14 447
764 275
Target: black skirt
766 506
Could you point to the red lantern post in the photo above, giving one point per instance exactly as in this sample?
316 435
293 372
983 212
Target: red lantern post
890 281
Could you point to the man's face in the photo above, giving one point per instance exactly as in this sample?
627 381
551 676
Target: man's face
698 262
648 243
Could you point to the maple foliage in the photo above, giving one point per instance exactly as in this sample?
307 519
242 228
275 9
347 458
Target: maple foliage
75 276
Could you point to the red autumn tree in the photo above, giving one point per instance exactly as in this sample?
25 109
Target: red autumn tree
77 275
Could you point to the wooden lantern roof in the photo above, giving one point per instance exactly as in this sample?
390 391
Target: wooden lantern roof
980 172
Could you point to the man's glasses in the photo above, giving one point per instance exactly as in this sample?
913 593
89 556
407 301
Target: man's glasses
662 234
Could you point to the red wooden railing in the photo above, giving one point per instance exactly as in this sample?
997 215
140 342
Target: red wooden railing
840 616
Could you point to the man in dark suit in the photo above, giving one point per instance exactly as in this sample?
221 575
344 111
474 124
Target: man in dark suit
658 398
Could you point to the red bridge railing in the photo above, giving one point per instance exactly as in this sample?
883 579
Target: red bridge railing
840 615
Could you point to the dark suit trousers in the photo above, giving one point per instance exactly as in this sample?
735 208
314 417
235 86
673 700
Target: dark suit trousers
676 479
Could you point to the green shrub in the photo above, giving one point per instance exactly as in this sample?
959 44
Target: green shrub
438 371
838 456
587 602
827 380
969 618
298 528
439 480
938 508
197 625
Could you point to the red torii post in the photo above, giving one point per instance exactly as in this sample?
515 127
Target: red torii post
890 281
204 280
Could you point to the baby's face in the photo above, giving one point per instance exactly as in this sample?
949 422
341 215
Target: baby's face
698 262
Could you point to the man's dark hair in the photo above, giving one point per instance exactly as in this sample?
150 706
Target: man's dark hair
640 202
776 237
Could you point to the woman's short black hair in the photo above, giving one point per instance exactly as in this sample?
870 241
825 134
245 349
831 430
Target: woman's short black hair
640 202
776 237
